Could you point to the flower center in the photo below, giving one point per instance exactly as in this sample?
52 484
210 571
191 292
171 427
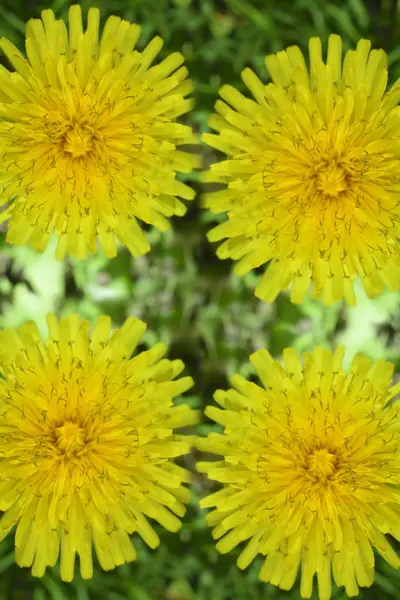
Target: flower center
70 437
331 178
321 463
78 141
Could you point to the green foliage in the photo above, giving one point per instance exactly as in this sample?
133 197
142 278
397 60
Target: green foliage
189 298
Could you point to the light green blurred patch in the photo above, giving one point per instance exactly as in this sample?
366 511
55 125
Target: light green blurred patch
363 322
45 278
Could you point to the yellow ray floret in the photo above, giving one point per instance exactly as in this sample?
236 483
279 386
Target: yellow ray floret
87 438
312 174
311 469
88 136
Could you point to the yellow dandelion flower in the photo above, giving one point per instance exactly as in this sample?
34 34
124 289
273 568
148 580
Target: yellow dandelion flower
86 443
88 136
310 467
312 174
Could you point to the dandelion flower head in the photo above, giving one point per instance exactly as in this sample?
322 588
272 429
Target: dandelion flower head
88 136
310 470
312 174
87 438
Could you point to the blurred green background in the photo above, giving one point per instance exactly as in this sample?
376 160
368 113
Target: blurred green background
188 297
